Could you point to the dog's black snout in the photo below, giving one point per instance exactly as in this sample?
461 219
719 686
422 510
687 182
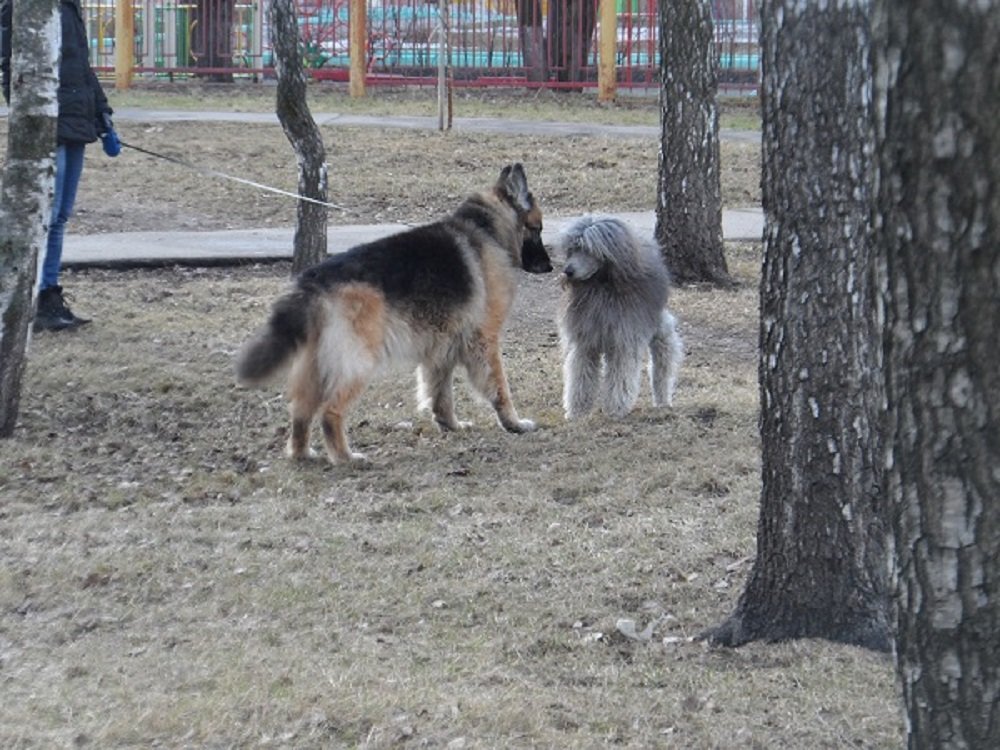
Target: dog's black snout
534 256
568 272
541 266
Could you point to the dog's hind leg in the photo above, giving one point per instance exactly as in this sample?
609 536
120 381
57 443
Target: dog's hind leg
484 364
298 436
435 392
334 430
581 380
666 352
622 379
304 398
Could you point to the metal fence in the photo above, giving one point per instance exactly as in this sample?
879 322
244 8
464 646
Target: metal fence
490 42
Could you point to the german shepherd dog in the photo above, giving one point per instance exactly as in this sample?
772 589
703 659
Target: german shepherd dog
435 296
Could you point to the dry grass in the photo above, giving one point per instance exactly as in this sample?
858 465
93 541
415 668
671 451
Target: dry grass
631 108
388 175
169 580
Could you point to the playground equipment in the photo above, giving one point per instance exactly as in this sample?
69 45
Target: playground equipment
229 38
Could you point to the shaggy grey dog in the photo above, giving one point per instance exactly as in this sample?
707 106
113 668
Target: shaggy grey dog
613 318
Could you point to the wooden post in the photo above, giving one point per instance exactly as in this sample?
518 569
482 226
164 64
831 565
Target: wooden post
124 43
444 82
608 46
359 46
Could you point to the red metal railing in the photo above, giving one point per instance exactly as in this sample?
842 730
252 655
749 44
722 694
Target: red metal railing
551 43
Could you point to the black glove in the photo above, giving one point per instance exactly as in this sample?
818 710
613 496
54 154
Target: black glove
109 138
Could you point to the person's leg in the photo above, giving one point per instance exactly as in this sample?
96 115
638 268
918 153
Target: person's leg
52 314
69 167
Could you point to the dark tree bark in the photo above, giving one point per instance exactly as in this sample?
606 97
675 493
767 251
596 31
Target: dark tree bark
531 32
938 90
26 194
689 198
822 558
212 42
300 128
571 34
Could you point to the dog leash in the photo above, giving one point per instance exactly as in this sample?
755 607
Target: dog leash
224 176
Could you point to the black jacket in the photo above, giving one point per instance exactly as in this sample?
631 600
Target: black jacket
80 96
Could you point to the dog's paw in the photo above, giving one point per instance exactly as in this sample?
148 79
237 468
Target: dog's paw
350 458
308 454
453 425
616 413
521 426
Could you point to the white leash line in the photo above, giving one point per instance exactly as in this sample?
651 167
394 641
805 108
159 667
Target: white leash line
224 176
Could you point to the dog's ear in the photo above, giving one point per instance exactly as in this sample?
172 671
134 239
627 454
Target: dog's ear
513 184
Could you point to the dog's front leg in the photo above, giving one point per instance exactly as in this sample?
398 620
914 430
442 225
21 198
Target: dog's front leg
485 367
622 379
581 380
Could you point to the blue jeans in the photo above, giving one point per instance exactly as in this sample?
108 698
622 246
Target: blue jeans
69 167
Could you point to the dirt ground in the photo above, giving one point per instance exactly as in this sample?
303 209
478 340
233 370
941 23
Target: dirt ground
168 579
376 175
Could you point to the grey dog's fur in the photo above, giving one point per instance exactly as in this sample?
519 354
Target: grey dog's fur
613 318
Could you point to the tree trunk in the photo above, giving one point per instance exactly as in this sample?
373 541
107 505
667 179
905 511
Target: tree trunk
938 79
212 40
26 194
689 199
532 37
821 567
571 32
302 133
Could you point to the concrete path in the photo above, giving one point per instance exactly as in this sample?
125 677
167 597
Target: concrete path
413 122
123 249
257 245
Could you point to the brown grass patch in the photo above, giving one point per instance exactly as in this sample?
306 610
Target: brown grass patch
169 579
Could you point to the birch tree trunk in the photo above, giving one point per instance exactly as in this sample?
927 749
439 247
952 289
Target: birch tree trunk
301 131
689 197
821 567
26 194
531 33
571 25
212 37
938 89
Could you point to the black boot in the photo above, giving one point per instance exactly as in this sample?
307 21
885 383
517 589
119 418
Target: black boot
53 314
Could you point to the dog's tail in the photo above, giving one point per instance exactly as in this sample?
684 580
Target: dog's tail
269 349
666 353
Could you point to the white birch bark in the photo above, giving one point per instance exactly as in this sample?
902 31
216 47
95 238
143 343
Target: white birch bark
689 192
26 193
821 567
303 135
938 92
